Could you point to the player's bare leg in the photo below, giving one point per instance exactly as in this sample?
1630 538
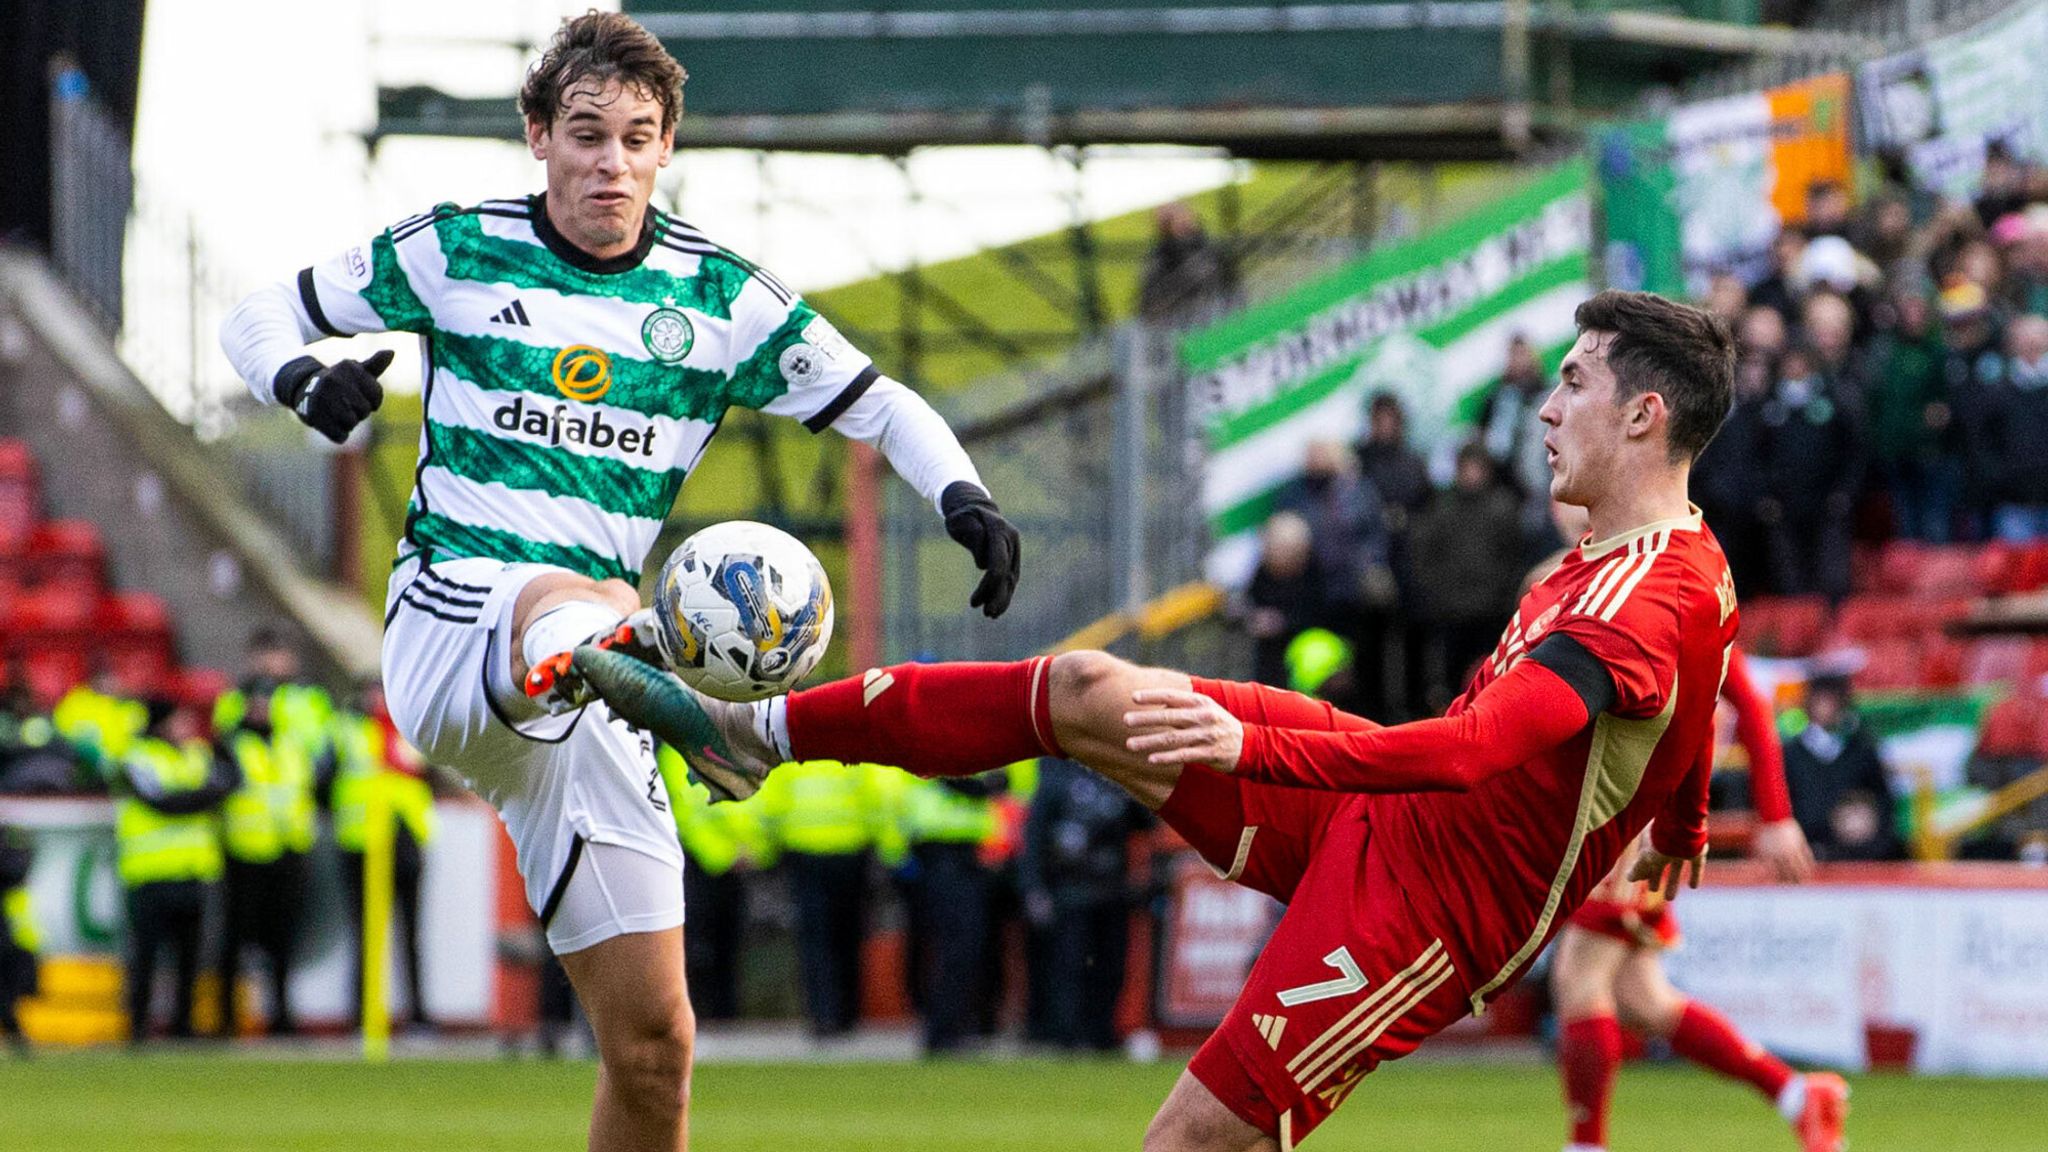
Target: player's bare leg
1091 695
930 719
544 594
1194 1120
1583 981
1815 1104
1644 999
632 988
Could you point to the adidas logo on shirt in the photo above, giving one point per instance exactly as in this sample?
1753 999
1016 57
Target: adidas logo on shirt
513 313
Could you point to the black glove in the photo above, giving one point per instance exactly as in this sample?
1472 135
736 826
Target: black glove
974 522
332 400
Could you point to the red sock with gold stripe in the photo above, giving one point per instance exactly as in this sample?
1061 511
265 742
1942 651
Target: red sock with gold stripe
929 719
1706 1038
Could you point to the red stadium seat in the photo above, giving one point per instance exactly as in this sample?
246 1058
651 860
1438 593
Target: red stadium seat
1995 660
1997 567
138 670
135 640
17 461
1783 625
1867 618
2011 727
1892 664
1941 660
134 611
1946 574
2030 571
67 552
57 608
51 671
1898 566
196 687
17 519
19 495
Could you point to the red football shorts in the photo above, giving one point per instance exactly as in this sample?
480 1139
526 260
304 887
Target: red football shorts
1351 977
1639 923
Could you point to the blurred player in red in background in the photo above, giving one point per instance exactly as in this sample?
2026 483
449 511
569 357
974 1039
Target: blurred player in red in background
1424 865
1608 972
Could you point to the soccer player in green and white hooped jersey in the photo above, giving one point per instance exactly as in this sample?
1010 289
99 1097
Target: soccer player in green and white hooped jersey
580 350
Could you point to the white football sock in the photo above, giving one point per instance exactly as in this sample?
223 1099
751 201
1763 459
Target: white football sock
1792 1099
564 626
771 720
1584 1148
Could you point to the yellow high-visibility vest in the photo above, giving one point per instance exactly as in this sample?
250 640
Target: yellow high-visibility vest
826 808
153 846
360 765
253 835
716 836
101 727
21 924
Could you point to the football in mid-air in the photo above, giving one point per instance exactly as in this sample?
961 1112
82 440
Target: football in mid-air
745 611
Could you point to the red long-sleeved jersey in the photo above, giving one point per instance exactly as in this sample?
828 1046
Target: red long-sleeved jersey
1504 813
1756 729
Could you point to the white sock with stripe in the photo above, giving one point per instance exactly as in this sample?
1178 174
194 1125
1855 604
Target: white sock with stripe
1792 1099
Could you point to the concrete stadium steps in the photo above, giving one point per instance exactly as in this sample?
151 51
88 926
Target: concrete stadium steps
77 1005
171 514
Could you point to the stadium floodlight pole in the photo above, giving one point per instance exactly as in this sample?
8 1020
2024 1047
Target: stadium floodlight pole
377 873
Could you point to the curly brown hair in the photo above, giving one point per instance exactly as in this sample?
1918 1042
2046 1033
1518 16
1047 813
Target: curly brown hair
603 46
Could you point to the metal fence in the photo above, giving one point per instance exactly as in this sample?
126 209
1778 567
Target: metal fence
1097 458
91 190
111 239
1099 466
1885 26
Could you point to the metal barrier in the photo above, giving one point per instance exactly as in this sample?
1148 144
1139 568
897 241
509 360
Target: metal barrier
1099 467
109 238
91 192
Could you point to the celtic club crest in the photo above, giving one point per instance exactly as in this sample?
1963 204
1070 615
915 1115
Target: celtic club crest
668 335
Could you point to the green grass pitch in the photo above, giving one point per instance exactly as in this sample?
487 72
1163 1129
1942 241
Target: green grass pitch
200 1103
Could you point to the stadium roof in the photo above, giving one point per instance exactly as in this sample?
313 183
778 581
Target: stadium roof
1477 78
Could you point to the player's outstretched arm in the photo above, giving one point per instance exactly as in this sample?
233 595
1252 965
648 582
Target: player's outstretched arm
922 449
266 338
1539 704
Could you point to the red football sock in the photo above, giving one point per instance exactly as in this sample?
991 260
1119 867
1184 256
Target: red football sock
1589 1055
929 719
1705 1037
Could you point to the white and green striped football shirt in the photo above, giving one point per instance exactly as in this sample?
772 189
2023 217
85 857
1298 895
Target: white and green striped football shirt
567 397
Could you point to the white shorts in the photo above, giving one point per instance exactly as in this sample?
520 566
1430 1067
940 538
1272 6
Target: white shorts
559 782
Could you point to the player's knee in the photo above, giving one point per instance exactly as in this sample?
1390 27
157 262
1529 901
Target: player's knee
650 1063
619 595
1080 681
1649 1009
1581 994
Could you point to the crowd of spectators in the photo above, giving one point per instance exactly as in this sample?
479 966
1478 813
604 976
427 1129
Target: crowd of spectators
1892 382
1416 578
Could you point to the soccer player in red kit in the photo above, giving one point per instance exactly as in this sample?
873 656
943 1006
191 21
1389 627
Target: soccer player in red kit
1426 864
1608 971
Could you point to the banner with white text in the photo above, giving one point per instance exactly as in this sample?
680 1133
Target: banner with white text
1428 320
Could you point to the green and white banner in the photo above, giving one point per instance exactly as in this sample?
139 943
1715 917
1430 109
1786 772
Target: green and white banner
1428 320
1940 103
